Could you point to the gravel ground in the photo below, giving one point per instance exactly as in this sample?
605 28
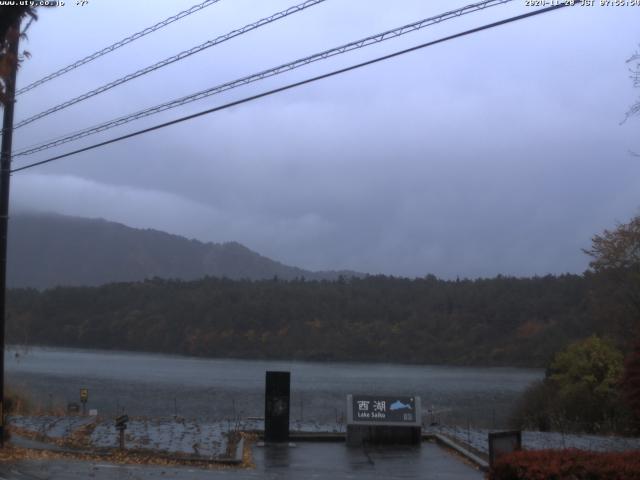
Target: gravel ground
56 427
171 435
209 439
164 435
478 439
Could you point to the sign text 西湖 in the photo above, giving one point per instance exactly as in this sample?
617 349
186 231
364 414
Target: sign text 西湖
383 409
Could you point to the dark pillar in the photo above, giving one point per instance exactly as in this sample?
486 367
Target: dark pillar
276 406
5 169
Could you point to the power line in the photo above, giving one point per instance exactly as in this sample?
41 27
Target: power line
300 83
114 46
167 61
364 42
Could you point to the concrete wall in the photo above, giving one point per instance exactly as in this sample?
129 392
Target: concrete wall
382 435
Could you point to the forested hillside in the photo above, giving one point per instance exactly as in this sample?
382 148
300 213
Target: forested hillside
47 250
500 321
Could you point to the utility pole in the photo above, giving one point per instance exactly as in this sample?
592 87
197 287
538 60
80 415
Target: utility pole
5 176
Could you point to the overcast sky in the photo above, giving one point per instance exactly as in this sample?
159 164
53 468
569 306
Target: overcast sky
500 152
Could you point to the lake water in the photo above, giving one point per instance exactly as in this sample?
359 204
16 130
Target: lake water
163 385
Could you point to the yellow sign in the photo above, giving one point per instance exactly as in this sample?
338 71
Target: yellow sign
84 394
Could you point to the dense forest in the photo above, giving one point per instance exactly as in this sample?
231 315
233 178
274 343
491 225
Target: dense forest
499 321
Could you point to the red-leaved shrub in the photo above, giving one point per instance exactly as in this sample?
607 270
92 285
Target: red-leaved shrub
570 464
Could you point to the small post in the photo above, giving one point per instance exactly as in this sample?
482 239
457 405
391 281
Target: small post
502 443
121 426
84 396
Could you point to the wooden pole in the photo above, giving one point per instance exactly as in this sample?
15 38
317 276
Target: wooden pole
5 177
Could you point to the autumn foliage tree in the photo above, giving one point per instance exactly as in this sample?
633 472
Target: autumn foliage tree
586 377
9 16
616 265
580 392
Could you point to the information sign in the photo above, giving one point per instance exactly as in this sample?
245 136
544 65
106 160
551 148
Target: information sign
384 409
121 421
383 420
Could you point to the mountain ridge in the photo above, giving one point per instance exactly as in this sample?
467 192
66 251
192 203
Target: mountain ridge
50 249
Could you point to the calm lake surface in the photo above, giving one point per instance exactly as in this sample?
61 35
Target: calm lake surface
163 385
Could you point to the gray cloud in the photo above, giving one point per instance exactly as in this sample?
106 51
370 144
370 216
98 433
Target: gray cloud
498 153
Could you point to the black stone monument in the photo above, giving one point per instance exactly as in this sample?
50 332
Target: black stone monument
276 407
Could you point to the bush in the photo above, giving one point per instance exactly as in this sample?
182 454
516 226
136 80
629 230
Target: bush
581 392
567 464
631 380
535 409
16 402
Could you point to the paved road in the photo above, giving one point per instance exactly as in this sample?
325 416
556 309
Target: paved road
320 461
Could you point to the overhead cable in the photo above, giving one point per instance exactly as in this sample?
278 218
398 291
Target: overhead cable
168 61
114 46
364 42
297 84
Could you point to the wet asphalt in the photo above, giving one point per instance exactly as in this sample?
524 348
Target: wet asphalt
321 461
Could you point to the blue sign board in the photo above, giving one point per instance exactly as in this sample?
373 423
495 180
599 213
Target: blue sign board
384 409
